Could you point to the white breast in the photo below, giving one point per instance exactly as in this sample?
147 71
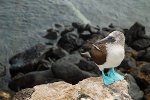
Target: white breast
115 55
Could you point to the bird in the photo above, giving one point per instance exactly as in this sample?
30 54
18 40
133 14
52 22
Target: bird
108 52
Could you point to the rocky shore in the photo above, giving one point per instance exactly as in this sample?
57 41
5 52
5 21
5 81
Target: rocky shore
60 59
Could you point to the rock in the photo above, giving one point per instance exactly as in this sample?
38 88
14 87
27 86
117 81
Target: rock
81 63
27 61
31 79
141 44
135 32
24 94
2 70
89 66
130 52
141 82
128 63
69 72
144 55
134 87
86 27
85 35
147 93
80 27
146 69
67 30
112 28
70 42
52 34
91 88
56 53
6 95
58 25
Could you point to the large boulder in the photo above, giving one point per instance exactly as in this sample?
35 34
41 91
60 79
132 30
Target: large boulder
88 89
69 72
70 41
31 79
28 60
144 55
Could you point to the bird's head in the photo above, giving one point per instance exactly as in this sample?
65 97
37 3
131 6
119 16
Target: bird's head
115 37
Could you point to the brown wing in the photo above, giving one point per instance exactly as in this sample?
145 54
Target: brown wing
99 55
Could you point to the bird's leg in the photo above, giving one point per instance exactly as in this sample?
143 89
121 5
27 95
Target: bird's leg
107 80
114 75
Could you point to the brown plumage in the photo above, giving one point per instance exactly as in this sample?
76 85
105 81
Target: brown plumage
99 55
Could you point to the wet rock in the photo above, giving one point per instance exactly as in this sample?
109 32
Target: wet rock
136 32
31 79
69 72
70 42
144 55
2 70
80 27
27 61
67 29
86 27
52 34
112 28
141 44
91 88
56 53
58 25
85 35
146 69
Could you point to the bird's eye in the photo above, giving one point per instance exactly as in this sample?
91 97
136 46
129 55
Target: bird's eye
111 38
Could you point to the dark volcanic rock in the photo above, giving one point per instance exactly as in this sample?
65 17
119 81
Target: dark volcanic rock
142 83
85 35
66 30
68 71
128 63
2 70
141 44
70 42
89 66
138 95
27 61
112 28
134 33
144 55
56 53
80 27
146 69
31 79
52 34
86 27
147 93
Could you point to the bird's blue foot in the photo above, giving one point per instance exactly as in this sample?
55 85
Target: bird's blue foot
107 80
114 75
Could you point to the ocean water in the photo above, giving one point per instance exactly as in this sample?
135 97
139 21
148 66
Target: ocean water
23 22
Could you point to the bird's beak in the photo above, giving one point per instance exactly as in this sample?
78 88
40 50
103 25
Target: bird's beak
105 40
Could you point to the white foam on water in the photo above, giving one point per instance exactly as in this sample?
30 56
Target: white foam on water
78 13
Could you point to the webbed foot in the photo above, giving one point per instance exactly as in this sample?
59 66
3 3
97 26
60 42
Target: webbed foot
114 75
107 80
